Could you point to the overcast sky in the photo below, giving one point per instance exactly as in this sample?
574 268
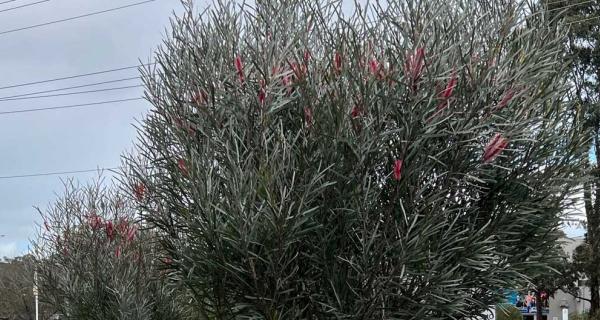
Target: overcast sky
69 139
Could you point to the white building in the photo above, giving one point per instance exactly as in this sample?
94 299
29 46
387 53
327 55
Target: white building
574 305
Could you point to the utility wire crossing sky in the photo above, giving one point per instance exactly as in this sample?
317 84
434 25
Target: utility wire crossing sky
69 97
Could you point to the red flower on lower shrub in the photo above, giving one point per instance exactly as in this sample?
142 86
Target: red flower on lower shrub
413 67
110 230
398 169
139 191
494 148
95 222
262 94
182 167
239 67
308 116
337 62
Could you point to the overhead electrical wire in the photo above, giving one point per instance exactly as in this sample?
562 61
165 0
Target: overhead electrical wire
23 6
71 93
76 17
69 88
3 2
56 173
75 76
81 105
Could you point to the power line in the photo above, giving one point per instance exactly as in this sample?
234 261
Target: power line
75 17
3 2
68 88
56 173
23 6
71 93
76 76
68 106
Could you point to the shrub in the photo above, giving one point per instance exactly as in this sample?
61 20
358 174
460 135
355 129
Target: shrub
95 260
407 161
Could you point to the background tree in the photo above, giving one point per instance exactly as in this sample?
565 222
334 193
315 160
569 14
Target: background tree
16 290
95 261
404 161
583 44
561 275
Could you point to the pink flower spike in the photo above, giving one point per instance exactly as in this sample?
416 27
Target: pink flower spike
337 62
95 222
118 251
447 93
287 82
261 92
413 67
139 191
510 93
374 66
182 167
308 116
200 98
299 70
110 231
239 67
494 148
397 169
131 233
306 55
356 112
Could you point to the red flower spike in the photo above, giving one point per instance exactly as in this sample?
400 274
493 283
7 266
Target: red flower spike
510 93
299 70
447 93
337 62
397 169
118 251
178 122
413 67
131 233
374 67
261 92
122 226
139 191
182 167
356 112
239 67
200 98
287 80
494 148
308 116
110 230
95 222
306 55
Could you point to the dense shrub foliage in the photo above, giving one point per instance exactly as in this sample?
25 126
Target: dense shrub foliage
406 160
315 160
96 261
